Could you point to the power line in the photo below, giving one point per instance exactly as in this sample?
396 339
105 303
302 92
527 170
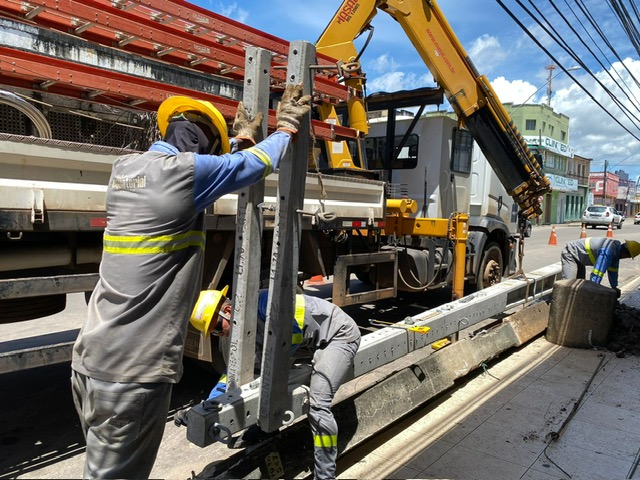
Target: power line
557 62
561 42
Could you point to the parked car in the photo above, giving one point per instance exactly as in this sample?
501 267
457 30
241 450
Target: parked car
601 215
636 219
527 229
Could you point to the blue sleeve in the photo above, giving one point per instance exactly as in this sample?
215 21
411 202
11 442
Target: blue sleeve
218 175
219 389
608 258
612 270
263 296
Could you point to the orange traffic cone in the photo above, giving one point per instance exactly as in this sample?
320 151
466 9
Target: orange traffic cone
316 280
610 232
553 240
583 233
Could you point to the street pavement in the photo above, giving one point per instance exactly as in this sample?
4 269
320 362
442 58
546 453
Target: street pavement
535 412
541 412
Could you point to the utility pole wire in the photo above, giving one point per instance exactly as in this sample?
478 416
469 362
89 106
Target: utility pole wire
563 44
604 68
537 42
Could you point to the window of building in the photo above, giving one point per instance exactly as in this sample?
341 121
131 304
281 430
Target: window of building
551 128
406 159
563 136
530 125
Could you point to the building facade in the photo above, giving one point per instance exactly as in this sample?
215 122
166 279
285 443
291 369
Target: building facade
623 200
579 169
547 135
604 188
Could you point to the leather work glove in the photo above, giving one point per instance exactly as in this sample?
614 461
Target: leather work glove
292 109
247 127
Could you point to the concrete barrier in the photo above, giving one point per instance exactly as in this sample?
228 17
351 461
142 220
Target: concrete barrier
581 314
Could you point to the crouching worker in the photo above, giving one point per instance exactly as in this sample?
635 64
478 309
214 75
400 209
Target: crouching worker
324 329
603 253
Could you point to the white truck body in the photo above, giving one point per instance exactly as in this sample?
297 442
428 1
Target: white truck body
436 186
73 177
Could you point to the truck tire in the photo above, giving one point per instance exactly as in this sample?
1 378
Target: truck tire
491 267
20 309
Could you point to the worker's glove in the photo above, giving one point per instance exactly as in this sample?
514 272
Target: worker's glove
246 127
618 292
292 109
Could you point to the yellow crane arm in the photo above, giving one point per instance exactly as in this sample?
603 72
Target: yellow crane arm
469 93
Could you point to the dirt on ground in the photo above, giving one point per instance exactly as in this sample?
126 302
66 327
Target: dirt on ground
625 331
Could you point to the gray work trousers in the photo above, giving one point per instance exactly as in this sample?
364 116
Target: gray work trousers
330 366
123 424
571 266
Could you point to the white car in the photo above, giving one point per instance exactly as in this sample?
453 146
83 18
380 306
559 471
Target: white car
601 215
636 219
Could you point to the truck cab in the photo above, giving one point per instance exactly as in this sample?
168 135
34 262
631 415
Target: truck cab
440 166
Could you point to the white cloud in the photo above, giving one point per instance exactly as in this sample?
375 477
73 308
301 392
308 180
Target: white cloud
516 91
486 50
394 81
592 131
382 64
234 11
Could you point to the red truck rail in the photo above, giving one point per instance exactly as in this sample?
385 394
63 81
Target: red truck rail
175 32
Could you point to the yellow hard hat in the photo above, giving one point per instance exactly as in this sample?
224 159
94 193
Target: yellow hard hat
633 247
205 315
177 104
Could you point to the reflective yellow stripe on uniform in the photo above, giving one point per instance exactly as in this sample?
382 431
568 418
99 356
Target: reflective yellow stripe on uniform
325 441
296 338
264 158
141 245
597 272
587 245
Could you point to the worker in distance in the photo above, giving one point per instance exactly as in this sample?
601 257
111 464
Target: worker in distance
128 353
602 253
322 328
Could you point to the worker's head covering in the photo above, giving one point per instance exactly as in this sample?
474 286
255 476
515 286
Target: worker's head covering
193 126
633 247
206 313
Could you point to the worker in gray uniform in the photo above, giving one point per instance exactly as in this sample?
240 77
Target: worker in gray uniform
129 351
603 253
321 327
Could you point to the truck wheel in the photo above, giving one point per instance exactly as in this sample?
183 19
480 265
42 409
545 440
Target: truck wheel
20 309
491 267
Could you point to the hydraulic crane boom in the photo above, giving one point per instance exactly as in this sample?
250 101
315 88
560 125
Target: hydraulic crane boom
469 93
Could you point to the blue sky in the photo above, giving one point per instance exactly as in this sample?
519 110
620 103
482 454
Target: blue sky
502 51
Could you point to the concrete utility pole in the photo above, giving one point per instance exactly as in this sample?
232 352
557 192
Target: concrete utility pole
551 68
275 401
249 226
604 185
